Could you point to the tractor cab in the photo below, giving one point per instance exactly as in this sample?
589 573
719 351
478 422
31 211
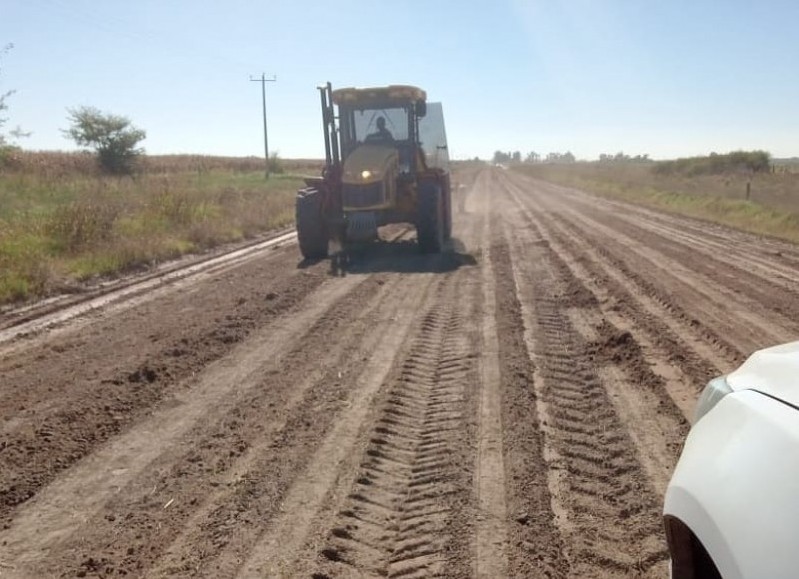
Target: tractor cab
387 118
379 132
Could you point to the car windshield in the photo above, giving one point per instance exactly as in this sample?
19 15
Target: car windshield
366 123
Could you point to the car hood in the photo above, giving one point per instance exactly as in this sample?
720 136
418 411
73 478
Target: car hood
773 371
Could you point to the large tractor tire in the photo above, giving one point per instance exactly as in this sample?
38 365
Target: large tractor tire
430 223
311 225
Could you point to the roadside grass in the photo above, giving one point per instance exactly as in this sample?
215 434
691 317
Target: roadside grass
772 208
62 223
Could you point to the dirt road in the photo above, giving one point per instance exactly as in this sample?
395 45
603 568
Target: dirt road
511 408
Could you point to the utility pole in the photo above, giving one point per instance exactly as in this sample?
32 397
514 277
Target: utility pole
263 80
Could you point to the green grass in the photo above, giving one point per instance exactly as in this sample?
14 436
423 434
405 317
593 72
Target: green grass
60 226
772 210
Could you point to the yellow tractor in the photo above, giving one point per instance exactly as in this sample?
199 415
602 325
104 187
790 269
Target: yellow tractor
386 161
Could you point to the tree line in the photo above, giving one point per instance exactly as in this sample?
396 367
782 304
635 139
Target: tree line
504 158
717 164
713 164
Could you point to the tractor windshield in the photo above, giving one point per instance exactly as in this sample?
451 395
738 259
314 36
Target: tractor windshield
376 125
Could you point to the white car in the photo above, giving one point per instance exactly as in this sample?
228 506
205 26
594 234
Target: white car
732 506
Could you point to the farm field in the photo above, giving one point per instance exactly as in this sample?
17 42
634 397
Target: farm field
63 224
511 407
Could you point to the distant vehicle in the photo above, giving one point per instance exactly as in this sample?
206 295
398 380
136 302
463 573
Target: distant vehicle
732 506
386 162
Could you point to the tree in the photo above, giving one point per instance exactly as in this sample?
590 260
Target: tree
113 138
3 120
3 97
501 157
5 146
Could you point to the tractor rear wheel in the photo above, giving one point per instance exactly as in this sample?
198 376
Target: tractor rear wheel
430 218
311 225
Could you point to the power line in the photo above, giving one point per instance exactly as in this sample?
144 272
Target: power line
187 48
263 80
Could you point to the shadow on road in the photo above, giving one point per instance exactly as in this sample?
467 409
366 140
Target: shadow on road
395 256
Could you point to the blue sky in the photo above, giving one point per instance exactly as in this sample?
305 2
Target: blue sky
668 78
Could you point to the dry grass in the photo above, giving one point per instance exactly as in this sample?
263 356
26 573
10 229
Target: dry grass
62 222
49 164
772 208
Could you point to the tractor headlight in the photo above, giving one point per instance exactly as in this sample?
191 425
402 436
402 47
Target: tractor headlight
367 174
715 390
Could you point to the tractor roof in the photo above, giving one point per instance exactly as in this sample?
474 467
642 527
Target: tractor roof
394 94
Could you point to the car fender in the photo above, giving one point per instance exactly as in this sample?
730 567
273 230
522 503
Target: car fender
735 486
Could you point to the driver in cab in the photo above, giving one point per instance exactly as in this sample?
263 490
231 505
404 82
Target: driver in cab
382 133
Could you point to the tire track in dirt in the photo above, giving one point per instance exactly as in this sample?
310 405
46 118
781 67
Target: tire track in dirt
396 519
746 324
605 507
535 546
684 362
637 292
650 394
491 533
515 534
776 269
705 340
278 549
413 422
756 293
770 261
706 232
683 281
681 371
